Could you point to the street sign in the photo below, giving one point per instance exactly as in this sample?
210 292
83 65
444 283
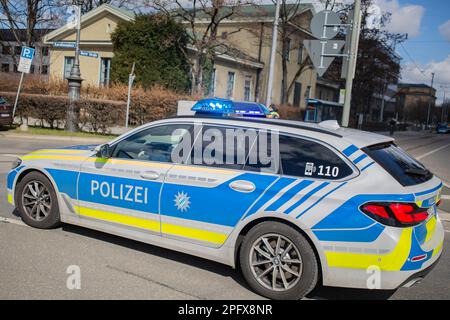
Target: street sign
322 53
325 25
65 45
26 57
89 54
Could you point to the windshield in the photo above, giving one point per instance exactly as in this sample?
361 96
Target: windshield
404 168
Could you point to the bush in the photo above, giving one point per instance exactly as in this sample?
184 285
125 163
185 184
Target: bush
95 115
290 113
156 43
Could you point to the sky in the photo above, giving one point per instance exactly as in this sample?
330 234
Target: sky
427 49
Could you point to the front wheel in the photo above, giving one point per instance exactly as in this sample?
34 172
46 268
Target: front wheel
278 262
37 202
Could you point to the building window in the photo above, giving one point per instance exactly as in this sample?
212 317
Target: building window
15 68
68 63
17 50
230 85
44 69
247 88
45 51
32 69
5 67
105 71
300 54
297 94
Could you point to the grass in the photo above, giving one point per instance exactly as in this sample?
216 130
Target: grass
61 133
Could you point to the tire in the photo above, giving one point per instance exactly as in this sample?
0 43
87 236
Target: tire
49 201
307 270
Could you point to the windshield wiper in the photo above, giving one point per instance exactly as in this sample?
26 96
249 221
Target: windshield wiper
418 172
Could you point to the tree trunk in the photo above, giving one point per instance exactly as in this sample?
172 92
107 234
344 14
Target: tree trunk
284 61
197 76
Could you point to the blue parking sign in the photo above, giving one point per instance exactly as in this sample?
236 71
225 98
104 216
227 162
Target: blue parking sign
27 53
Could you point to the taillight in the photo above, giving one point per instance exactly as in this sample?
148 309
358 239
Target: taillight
395 214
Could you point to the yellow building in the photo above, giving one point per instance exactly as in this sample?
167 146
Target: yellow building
240 72
95 39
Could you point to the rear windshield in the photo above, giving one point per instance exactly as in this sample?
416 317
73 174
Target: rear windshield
399 164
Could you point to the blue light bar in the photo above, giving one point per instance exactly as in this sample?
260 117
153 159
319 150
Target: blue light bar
226 107
216 105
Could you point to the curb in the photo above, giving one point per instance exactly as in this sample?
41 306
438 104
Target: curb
50 137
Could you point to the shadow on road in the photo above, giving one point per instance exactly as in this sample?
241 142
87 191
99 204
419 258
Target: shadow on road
193 261
319 293
334 293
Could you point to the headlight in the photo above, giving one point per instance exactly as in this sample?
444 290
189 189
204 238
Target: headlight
17 162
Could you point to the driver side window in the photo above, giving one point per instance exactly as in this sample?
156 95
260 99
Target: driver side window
153 144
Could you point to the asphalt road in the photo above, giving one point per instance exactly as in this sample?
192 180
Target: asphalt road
34 263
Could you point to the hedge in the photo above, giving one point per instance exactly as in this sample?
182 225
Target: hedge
96 115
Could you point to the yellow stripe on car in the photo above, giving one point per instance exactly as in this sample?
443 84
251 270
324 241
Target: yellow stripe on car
119 218
431 226
10 198
437 249
127 162
172 229
392 261
197 234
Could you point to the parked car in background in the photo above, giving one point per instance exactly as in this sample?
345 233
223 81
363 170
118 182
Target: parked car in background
443 127
5 112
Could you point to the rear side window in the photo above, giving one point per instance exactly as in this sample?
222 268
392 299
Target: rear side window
399 164
304 158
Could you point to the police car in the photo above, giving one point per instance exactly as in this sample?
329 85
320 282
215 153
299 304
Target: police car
341 207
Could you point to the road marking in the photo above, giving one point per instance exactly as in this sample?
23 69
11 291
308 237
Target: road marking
432 151
13 221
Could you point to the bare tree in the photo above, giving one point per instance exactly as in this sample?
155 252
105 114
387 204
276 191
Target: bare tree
202 19
290 26
88 5
24 17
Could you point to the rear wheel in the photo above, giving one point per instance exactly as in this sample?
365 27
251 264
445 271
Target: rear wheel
278 262
37 202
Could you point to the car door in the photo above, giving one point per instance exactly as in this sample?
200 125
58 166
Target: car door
203 200
124 189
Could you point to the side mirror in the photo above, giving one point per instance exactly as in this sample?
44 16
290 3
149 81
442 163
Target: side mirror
103 151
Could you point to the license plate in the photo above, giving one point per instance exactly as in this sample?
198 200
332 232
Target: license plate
5 115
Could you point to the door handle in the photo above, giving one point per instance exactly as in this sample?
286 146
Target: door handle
242 186
150 175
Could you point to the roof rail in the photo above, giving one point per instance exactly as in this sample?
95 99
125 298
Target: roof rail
264 121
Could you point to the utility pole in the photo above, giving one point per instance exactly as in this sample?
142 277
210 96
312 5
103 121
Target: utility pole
353 55
430 101
131 78
74 80
443 106
273 54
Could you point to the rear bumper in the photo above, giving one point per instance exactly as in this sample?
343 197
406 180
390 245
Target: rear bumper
6 121
418 276
391 270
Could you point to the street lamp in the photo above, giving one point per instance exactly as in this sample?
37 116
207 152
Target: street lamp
273 51
74 79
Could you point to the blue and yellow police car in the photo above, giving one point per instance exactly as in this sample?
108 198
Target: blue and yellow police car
333 205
